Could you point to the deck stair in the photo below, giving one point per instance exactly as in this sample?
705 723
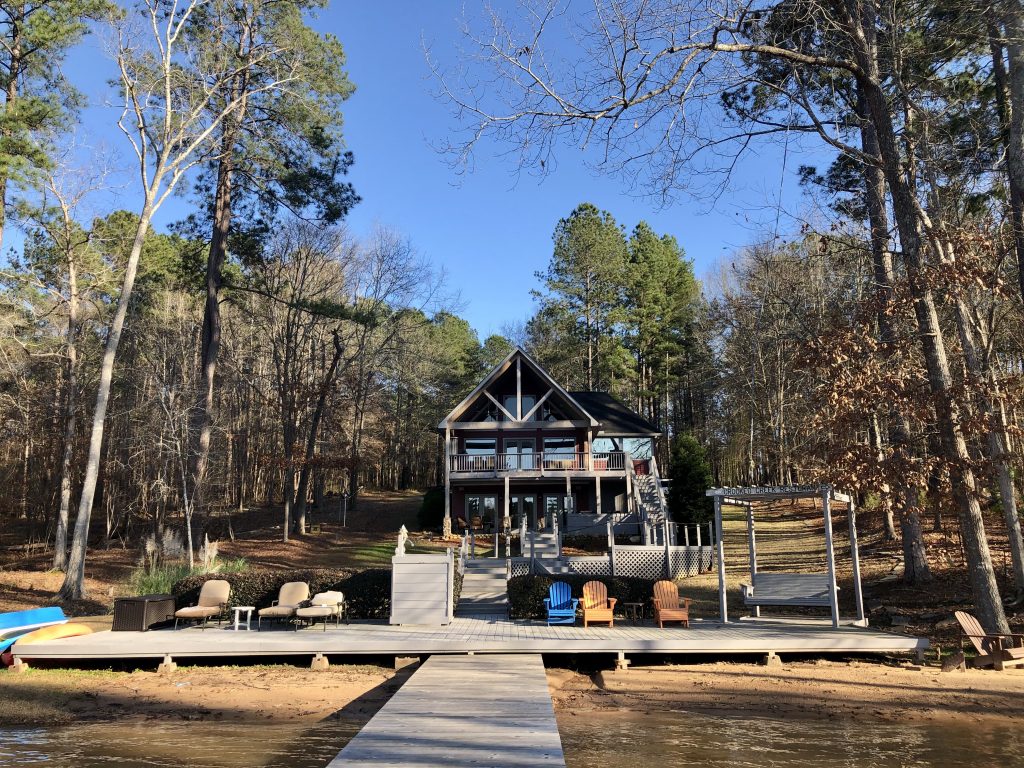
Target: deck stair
545 546
484 588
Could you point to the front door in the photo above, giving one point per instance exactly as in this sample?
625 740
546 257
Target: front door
556 506
480 511
519 453
523 507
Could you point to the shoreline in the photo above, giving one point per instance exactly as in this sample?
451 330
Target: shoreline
858 690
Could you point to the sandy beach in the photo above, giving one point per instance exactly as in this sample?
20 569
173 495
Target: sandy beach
815 690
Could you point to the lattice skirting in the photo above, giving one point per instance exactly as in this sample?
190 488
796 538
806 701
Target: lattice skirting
644 562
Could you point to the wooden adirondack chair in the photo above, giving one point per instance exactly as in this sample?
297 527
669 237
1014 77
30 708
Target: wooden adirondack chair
597 606
560 604
994 650
668 606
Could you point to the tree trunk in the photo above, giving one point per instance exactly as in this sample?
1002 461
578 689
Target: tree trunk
910 221
884 275
60 539
1012 91
211 333
73 587
314 430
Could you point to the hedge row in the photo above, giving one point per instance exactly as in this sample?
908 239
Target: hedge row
367 592
526 593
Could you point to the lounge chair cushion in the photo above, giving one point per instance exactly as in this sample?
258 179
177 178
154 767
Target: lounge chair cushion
289 598
315 612
278 611
197 612
214 593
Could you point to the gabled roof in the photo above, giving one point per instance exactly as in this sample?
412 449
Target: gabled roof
615 417
498 370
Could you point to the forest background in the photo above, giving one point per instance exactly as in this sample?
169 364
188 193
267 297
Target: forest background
255 352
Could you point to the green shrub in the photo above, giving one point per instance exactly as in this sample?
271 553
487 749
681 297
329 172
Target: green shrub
160 579
368 592
526 593
431 514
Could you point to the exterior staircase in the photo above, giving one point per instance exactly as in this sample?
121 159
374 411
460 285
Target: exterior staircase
484 588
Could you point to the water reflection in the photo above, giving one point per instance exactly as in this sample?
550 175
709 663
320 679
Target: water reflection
603 739
175 745
683 738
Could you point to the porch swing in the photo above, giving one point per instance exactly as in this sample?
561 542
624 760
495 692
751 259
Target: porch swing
788 589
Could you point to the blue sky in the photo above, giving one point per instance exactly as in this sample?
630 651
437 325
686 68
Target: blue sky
489 230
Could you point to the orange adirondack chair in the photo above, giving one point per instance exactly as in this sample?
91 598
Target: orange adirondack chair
597 606
668 606
994 650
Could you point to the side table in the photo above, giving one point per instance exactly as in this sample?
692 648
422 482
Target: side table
634 612
239 610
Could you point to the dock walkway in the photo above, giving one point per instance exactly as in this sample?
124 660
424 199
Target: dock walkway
492 710
479 634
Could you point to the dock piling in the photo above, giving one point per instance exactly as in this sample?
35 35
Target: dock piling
319 663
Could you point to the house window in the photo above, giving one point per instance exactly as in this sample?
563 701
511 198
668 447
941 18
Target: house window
640 448
559 446
559 452
481 453
519 454
480 446
480 511
509 401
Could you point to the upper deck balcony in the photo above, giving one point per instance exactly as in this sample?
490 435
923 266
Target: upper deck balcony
536 464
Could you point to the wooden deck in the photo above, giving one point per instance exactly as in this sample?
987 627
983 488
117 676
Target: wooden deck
490 710
481 634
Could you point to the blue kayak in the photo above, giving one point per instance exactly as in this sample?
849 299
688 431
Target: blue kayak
5 644
17 623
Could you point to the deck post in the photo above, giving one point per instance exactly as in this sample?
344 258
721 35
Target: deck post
597 492
506 522
830 554
668 551
752 546
723 605
858 593
686 534
446 526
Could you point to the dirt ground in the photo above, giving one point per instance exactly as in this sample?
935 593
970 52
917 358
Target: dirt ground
858 691
879 692
249 693
367 540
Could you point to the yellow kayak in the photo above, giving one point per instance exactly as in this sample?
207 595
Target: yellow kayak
56 632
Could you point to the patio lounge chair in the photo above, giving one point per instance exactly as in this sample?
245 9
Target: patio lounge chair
325 606
560 604
288 599
213 601
597 606
994 650
668 606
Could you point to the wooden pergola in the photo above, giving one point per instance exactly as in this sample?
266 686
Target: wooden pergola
828 495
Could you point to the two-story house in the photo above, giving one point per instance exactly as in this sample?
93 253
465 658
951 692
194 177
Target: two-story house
520 447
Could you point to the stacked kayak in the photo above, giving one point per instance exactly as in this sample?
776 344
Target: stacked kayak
17 624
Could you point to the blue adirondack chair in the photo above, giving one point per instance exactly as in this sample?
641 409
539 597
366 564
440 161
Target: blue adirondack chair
560 604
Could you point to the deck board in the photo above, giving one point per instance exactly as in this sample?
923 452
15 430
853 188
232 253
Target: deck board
479 634
490 710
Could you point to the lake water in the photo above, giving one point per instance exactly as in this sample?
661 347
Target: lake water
590 740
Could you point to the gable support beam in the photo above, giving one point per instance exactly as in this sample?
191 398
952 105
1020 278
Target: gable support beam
494 400
519 389
537 405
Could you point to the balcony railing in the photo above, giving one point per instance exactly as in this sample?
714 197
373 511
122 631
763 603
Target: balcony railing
502 463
